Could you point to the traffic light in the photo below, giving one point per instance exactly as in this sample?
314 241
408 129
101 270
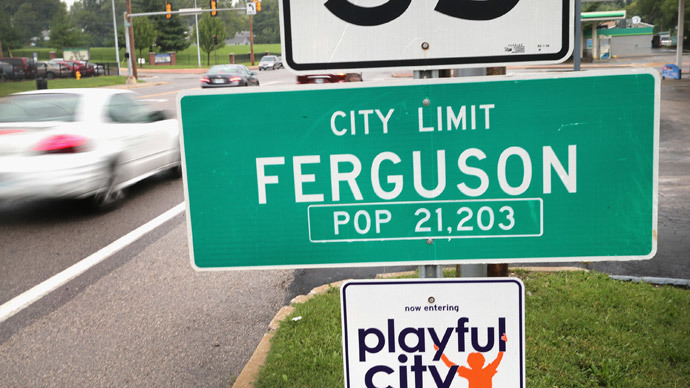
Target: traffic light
258 6
215 40
214 7
168 8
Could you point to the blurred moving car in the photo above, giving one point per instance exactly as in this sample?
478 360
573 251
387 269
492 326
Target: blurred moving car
82 143
270 62
329 78
228 76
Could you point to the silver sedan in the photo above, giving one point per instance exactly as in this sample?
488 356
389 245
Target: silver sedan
82 143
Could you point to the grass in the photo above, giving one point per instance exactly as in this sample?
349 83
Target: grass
582 330
89 82
185 58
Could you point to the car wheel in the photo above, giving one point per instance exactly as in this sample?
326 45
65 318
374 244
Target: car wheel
110 198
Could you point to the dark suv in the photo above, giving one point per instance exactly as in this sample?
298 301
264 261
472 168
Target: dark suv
22 65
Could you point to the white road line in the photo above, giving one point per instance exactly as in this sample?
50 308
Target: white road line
24 300
155 100
274 83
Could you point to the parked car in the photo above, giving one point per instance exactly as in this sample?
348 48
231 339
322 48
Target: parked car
51 70
8 72
82 143
73 67
229 76
83 68
329 78
23 65
270 62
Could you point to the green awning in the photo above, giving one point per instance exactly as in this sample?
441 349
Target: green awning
607 15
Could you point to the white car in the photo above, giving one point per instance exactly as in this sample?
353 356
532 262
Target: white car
270 62
82 143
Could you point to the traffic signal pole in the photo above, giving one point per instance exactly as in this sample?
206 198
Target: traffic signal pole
132 51
128 15
251 41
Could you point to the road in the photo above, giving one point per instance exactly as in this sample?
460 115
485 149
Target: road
143 317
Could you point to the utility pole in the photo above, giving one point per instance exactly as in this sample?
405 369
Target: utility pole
251 41
196 24
132 56
117 46
679 36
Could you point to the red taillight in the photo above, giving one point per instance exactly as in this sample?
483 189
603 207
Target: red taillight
205 79
11 131
235 79
62 144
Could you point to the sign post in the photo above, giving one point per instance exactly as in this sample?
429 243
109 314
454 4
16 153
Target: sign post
500 170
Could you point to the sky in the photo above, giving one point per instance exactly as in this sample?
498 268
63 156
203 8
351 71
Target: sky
68 2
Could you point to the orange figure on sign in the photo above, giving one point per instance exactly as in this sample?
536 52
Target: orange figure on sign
477 375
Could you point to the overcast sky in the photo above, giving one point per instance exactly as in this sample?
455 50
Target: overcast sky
68 2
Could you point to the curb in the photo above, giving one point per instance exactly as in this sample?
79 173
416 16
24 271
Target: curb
136 86
250 371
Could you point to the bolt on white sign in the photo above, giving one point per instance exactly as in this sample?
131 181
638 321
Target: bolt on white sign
434 333
362 34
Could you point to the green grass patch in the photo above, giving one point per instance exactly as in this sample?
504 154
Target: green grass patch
185 59
66 83
582 330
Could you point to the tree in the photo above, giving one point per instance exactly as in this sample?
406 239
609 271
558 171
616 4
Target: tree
62 31
32 17
172 34
208 27
9 35
144 34
95 19
266 23
663 14
234 22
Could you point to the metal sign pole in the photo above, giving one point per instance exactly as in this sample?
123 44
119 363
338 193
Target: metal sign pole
127 52
196 24
431 270
679 39
577 50
117 46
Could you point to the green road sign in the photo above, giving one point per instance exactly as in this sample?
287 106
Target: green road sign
501 169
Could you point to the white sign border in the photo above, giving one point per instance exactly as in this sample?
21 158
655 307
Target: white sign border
568 31
378 282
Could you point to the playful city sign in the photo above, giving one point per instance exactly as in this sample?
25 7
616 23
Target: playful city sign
346 35
505 169
434 333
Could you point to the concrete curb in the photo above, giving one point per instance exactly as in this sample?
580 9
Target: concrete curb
137 86
250 371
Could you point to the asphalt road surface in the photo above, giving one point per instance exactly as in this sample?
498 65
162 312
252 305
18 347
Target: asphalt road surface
143 317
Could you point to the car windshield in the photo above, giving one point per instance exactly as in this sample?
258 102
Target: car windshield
224 70
268 59
38 107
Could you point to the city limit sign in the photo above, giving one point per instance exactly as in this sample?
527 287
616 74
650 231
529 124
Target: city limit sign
505 169
345 35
